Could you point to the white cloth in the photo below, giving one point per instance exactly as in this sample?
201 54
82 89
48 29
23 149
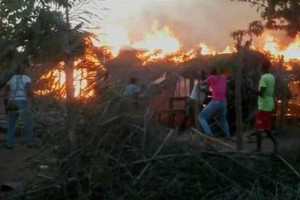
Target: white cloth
17 85
197 93
131 90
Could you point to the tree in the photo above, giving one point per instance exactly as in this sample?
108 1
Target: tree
279 14
30 29
35 29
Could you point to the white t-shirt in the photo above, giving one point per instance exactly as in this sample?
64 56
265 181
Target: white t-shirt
17 85
131 90
197 93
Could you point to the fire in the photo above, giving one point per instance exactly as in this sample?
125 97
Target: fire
159 44
162 40
84 74
271 45
83 82
114 37
291 52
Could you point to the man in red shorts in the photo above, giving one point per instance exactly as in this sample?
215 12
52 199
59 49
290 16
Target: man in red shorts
266 105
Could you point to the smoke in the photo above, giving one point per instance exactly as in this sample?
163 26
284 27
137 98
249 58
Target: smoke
191 21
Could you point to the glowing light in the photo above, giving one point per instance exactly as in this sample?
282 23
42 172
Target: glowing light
292 51
114 37
159 40
228 49
205 50
271 45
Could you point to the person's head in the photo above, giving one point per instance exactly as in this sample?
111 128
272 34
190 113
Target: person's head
214 71
133 80
202 75
265 66
20 70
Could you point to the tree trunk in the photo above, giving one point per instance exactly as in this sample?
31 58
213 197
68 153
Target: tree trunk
71 104
238 99
72 116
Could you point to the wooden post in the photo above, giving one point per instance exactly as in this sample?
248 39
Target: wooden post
197 108
238 98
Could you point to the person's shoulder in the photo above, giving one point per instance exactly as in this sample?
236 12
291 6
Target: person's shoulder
263 76
210 77
267 75
11 79
26 78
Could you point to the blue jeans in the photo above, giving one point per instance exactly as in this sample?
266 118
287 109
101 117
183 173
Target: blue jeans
23 112
217 109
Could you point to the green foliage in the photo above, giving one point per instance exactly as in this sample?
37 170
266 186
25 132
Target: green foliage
36 28
279 14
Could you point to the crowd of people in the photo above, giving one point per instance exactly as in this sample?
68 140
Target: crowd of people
198 105
216 108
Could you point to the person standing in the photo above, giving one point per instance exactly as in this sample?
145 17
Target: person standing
194 102
18 89
217 107
132 91
266 105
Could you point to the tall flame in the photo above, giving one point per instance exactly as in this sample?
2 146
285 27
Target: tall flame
292 51
162 40
159 43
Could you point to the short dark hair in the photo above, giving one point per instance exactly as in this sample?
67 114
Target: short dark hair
214 71
133 80
266 64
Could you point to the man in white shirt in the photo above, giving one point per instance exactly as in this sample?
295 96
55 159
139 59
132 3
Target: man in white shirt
132 91
197 97
19 90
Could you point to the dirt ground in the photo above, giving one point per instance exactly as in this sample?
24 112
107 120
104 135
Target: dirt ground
16 171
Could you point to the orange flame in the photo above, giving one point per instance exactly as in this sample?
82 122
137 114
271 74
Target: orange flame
159 44
83 83
84 74
291 52
162 40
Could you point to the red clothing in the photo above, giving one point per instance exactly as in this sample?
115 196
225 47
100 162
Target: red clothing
218 86
263 120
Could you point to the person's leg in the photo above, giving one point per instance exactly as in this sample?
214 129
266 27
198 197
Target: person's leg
186 117
258 140
205 114
12 118
259 126
223 118
182 126
275 142
192 112
25 116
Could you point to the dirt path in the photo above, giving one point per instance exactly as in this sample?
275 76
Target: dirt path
15 166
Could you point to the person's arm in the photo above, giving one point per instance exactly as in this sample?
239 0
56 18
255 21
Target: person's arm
259 92
6 91
28 90
205 83
262 87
